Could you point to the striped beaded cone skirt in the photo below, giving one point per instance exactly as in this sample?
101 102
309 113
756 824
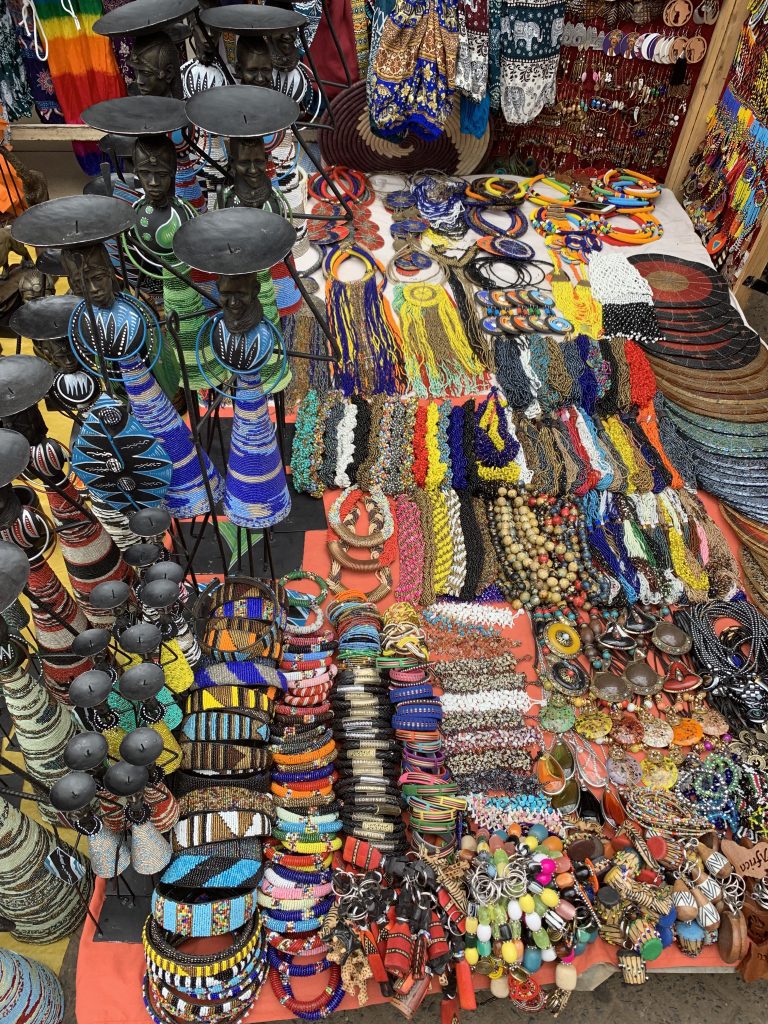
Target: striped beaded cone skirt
42 728
42 906
256 494
186 494
60 664
30 992
89 553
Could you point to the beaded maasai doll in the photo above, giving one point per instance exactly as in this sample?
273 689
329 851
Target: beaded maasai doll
119 333
244 342
149 244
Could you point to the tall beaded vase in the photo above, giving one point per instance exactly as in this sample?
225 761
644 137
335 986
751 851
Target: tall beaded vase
256 495
187 495
30 992
43 727
42 907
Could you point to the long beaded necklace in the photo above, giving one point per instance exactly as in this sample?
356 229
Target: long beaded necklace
362 323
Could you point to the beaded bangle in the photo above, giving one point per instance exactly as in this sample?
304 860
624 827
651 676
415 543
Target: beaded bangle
202 919
161 951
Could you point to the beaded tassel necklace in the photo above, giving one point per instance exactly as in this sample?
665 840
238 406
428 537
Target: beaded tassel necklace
437 354
362 323
625 296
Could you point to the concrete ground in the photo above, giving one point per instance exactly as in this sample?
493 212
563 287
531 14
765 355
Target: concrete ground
665 999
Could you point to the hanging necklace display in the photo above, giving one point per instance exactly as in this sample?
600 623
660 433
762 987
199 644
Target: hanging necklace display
238 243
437 356
369 362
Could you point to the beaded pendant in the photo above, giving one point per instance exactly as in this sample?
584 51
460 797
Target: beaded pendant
623 770
594 726
658 772
557 716
563 639
656 733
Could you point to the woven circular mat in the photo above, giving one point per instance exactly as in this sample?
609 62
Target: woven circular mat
351 142
724 381
678 282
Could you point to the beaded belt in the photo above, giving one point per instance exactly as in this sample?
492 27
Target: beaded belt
233 697
223 726
218 866
200 920
224 757
239 673
214 827
223 798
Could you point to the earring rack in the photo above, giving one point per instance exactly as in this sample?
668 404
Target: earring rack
647 114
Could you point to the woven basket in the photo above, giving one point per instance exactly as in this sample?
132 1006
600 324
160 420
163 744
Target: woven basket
351 142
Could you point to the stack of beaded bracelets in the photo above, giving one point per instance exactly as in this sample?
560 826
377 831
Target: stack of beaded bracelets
369 761
219 987
425 782
484 707
295 893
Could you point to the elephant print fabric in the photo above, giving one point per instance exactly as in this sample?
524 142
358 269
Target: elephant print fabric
525 50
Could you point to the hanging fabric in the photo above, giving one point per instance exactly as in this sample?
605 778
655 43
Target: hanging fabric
14 89
524 49
82 65
414 69
33 45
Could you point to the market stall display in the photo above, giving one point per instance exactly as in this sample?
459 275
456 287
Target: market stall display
378 629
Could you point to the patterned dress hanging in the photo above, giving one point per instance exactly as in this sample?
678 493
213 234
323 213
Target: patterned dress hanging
472 62
414 69
14 89
524 47
38 74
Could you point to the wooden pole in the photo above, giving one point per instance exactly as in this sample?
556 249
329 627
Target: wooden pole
722 47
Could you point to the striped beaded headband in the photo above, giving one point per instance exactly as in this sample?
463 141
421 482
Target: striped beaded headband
226 727
222 797
213 827
224 757
161 953
240 673
238 698
217 866
202 920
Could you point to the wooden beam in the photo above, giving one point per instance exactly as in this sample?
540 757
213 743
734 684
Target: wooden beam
722 47
54 133
754 265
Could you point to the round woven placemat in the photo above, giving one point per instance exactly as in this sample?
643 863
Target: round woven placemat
352 143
